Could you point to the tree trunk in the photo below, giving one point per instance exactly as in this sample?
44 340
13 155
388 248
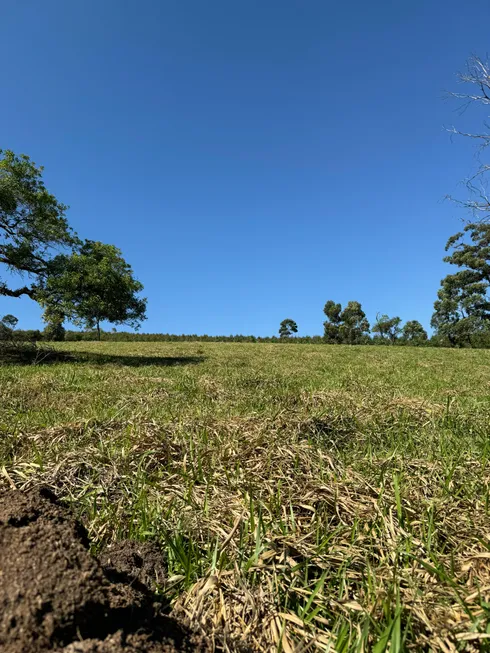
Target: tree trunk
98 330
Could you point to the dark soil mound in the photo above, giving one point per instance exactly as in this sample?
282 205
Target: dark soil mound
134 562
55 597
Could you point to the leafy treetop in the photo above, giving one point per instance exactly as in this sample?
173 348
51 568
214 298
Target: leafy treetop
388 327
93 285
287 328
414 332
32 222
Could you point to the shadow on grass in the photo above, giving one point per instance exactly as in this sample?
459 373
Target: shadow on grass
29 354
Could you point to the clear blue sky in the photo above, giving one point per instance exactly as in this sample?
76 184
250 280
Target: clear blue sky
252 159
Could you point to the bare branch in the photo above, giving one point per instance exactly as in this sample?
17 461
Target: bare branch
477 73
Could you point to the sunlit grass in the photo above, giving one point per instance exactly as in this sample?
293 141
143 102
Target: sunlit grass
305 497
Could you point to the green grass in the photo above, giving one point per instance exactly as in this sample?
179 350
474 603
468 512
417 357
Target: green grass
305 497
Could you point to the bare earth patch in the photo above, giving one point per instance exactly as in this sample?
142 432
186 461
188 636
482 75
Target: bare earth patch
54 596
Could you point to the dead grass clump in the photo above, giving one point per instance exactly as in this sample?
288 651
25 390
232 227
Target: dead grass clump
418 410
297 545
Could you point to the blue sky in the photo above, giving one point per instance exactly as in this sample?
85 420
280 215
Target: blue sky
251 159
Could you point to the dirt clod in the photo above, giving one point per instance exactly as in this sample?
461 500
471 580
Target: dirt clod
54 596
132 562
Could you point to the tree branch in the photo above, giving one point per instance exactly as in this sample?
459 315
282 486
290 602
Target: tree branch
25 290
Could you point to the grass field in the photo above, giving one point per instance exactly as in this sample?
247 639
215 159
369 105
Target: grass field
305 497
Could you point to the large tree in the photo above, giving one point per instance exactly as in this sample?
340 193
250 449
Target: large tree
93 285
32 224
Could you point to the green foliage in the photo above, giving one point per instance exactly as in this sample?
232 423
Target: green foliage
462 308
388 327
32 222
9 321
7 326
355 327
92 285
348 326
28 335
54 318
414 333
287 328
333 311
54 332
332 324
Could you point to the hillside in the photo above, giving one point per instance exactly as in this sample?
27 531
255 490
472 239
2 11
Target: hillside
326 494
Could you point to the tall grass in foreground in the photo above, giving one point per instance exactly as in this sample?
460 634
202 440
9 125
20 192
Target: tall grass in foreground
305 498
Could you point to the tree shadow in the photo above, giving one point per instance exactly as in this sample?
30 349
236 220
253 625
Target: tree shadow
136 361
30 354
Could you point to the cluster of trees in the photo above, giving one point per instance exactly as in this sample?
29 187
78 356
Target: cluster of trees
85 282
350 326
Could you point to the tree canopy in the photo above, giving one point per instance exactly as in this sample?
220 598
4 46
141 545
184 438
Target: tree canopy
287 328
32 223
7 326
348 326
332 323
462 308
92 285
413 332
355 325
388 327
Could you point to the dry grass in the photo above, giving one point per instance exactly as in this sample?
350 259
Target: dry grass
306 498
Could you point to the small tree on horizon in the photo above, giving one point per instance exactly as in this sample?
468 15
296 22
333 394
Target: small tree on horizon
331 326
348 326
287 328
355 326
387 327
413 332
7 326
